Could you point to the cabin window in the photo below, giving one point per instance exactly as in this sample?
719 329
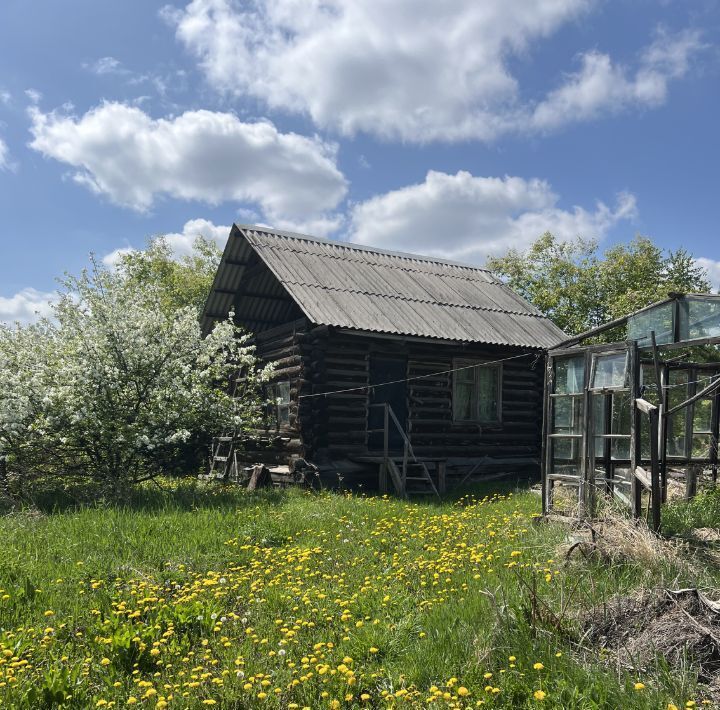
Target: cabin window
476 391
279 403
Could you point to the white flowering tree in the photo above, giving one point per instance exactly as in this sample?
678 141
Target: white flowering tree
117 388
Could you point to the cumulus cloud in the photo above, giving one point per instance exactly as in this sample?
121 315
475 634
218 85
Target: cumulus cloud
121 152
5 97
441 71
604 87
181 242
712 267
469 218
26 306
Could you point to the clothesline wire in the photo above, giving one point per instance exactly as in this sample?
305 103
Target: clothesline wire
469 367
681 384
422 377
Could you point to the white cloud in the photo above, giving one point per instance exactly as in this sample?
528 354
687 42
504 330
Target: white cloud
113 258
4 156
469 218
26 306
181 242
33 95
713 269
417 72
5 97
603 87
402 70
121 152
106 65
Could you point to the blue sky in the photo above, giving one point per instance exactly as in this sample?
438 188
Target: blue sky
456 129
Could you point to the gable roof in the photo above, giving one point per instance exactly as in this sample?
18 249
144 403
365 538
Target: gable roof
361 288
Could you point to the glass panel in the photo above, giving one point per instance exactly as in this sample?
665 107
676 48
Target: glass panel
463 401
466 374
488 381
610 371
283 392
702 416
620 413
649 382
279 399
676 426
569 374
676 435
598 414
567 415
620 424
565 456
620 449
660 319
699 318
701 446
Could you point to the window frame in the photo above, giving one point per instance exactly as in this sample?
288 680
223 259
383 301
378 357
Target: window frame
275 407
476 363
593 371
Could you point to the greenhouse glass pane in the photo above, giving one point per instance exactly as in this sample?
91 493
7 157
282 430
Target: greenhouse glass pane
569 375
610 371
660 319
699 318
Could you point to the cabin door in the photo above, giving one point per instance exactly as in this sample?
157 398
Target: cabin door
384 370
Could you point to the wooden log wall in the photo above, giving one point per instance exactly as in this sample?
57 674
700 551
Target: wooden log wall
336 425
325 427
431 427
283 345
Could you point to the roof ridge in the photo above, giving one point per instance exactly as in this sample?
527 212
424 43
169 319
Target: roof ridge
352 246
400 297
408 269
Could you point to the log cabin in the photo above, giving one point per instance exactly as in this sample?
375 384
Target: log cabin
393 370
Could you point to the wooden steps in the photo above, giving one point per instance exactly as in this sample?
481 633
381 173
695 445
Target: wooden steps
409 478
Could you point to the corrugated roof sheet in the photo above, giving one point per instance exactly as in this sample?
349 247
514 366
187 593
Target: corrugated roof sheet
357 287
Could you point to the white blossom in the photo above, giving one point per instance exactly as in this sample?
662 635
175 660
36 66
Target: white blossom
114 385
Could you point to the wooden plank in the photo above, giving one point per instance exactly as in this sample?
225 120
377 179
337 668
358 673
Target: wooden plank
442 477
259 478
655 484
644 406
643 477
691 482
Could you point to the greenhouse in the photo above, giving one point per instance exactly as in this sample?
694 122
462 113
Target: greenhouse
635 420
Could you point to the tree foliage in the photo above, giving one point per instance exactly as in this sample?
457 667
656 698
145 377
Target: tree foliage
181 281
119 385
579 288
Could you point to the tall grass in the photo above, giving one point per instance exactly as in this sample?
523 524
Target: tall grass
259 600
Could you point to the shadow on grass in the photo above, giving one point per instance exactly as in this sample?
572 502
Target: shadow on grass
478 490
185 494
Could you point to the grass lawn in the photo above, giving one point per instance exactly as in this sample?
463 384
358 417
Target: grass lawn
192 597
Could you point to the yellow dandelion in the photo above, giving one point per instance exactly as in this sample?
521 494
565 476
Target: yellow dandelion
539 695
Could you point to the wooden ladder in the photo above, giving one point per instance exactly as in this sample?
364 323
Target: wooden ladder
223 458
223 462
405 469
